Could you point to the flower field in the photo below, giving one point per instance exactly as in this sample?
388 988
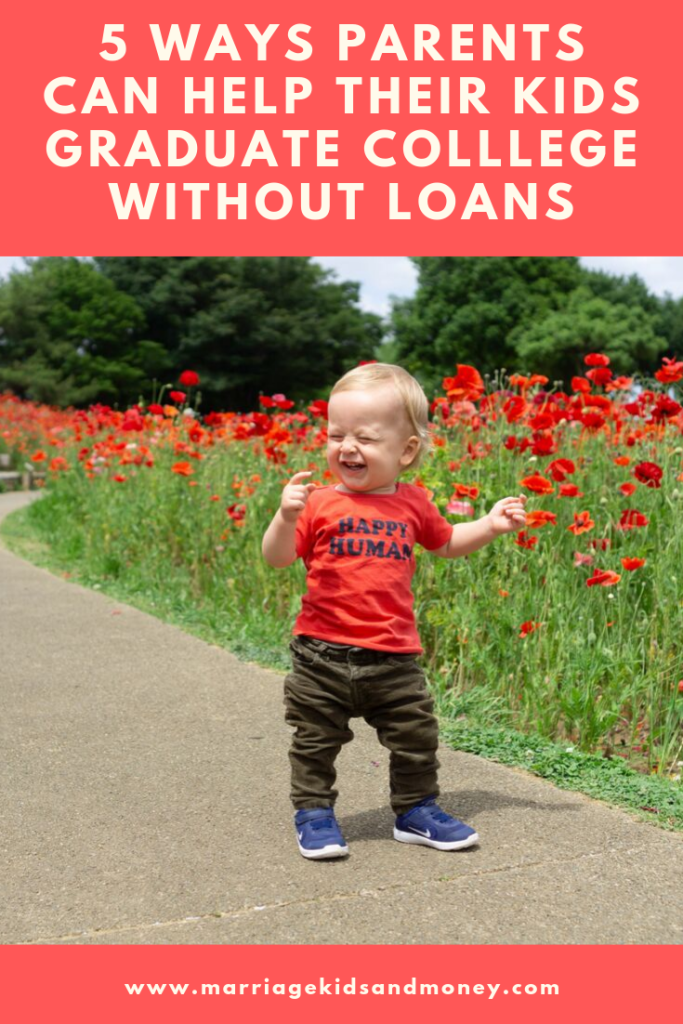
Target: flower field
571 628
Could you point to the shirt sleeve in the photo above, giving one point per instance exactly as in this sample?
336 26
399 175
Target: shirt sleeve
304 535
434 530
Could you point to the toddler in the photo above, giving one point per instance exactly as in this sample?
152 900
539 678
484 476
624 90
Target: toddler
355 645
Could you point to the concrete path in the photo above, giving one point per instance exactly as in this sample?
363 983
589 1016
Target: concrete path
144 800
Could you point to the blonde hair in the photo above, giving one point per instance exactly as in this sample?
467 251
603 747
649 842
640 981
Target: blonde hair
414 400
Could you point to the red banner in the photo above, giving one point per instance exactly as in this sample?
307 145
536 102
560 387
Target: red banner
137 127
338 983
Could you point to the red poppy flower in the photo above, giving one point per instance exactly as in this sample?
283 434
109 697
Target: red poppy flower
592 420
282 402
463 491
188 378
542 421
514 408
119 478
649 473
622 460
582 523
600 375
38 456
177 396
504 593
664 409
528 627
570 491
536 520
627 489
603 578
318 408
680 686
58 463
620 384
581 559
560 469
467 385
522 540
670 372
518 381
596 359
510 443
632 563
581 385
601 544
182 468
132 420
630 519
214 419
537 484
237 512
155 409
543 445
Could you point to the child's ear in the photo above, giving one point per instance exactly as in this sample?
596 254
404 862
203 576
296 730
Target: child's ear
410 450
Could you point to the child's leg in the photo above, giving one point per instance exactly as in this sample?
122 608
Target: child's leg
405 723
317 705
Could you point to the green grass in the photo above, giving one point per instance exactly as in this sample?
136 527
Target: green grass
465 716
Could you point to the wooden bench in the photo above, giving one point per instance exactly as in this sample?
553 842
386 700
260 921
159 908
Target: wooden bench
26 479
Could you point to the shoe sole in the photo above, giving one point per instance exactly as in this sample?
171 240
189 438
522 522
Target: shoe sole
410 837
326 853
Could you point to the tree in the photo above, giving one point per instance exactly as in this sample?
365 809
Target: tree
536 314
671 324
558 342
466 308
249 325
66 336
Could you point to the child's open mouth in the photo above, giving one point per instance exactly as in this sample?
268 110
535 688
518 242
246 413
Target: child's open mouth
353 467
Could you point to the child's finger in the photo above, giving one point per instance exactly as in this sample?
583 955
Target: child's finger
299 476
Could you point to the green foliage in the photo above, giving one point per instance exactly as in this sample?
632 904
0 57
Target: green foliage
66 336
652 798
466 308
559 342
528 312
249 325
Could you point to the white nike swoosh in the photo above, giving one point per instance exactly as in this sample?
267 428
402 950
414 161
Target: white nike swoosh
421 833
300 835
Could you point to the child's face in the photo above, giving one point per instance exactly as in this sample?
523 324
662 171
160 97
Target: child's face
369 439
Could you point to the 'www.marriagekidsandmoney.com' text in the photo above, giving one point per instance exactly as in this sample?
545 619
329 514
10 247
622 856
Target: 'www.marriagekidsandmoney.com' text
339 987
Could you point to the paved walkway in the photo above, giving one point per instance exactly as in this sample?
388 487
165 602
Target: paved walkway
144 800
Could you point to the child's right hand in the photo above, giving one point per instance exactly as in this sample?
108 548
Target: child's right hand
294 497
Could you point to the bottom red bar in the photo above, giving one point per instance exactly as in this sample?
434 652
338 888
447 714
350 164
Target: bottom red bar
337 983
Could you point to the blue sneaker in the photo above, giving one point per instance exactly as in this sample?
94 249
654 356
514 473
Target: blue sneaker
318 834
427 825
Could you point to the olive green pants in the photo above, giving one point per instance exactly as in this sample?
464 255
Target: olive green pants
330 684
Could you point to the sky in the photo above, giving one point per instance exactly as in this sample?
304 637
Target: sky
383 276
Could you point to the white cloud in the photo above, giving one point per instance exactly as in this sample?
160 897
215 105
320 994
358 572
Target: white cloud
660 273
380 277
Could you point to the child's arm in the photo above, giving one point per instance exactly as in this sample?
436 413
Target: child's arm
279 540
505 516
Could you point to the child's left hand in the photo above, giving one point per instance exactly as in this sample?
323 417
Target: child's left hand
508 514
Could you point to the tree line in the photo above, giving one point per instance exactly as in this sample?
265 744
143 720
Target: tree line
76 331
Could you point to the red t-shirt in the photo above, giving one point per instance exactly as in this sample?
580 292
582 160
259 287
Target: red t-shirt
358 550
